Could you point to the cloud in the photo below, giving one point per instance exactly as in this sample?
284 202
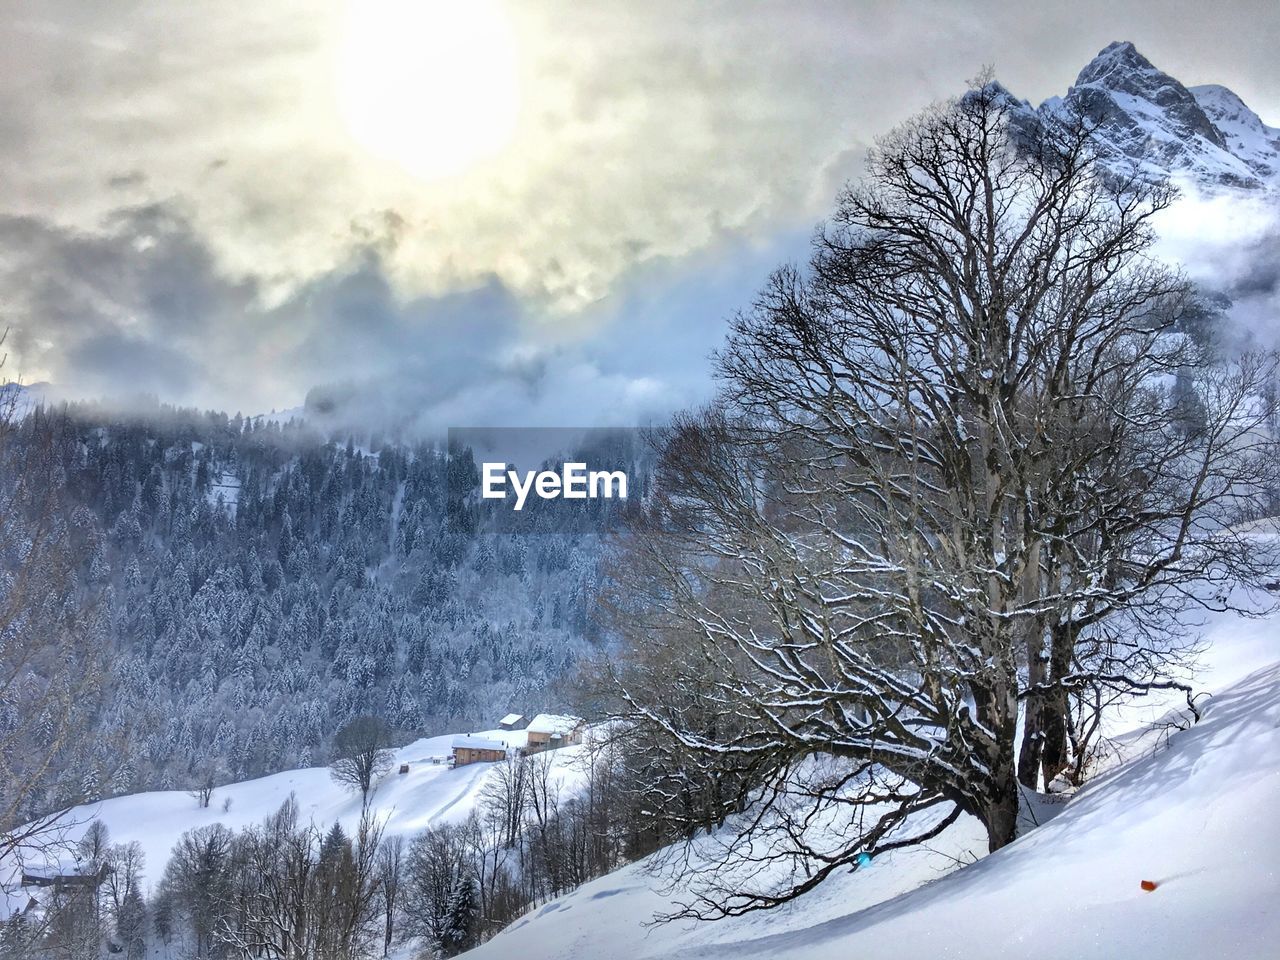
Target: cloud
182 207
142 307
647 130
1229 243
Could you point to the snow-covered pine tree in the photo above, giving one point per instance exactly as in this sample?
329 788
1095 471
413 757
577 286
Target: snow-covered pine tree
460 922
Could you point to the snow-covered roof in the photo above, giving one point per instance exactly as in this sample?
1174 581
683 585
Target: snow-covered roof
54 868
511 718
554 724
478 743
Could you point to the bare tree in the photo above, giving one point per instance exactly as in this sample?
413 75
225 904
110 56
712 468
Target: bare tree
948 484
203 792
435 864
271 909
346 899
293 891
542 823
505 796
198 883
123 886
362 753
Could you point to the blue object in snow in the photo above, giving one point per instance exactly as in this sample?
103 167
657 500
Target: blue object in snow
863 860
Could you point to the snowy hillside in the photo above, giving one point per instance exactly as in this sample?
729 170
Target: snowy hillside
1243 131
429 795
267 584
1192 812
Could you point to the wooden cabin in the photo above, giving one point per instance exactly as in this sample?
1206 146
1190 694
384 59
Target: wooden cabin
513 721
477 750
548 731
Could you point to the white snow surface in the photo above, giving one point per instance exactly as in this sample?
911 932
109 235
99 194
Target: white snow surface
224 489
1194 812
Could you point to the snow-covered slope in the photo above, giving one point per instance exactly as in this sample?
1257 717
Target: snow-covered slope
1243 131
431 793
1197 816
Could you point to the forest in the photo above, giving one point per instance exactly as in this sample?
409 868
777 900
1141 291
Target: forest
252 585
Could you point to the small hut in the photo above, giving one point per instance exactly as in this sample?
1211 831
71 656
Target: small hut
477 750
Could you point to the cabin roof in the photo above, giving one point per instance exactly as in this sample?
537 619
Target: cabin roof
554 724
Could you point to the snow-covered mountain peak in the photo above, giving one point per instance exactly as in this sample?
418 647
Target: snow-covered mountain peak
1149 122
1121 68
19 399
1246 136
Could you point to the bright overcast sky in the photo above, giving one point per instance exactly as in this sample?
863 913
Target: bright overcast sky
494 210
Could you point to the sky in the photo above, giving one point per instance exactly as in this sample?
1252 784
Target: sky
536 212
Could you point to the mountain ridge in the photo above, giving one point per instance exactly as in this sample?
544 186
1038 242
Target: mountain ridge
1150 123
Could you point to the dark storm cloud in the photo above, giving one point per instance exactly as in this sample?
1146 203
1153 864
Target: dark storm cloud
122 306
1260 276
108 361
1251 278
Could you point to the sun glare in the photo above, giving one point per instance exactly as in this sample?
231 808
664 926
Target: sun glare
431 85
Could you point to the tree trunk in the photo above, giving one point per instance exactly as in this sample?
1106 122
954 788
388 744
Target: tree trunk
1001 814
1055 753
1034 732
1037 673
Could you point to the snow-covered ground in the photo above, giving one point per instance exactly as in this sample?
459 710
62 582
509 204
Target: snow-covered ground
1194 812
431 793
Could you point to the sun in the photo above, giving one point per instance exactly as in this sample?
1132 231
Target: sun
431 85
